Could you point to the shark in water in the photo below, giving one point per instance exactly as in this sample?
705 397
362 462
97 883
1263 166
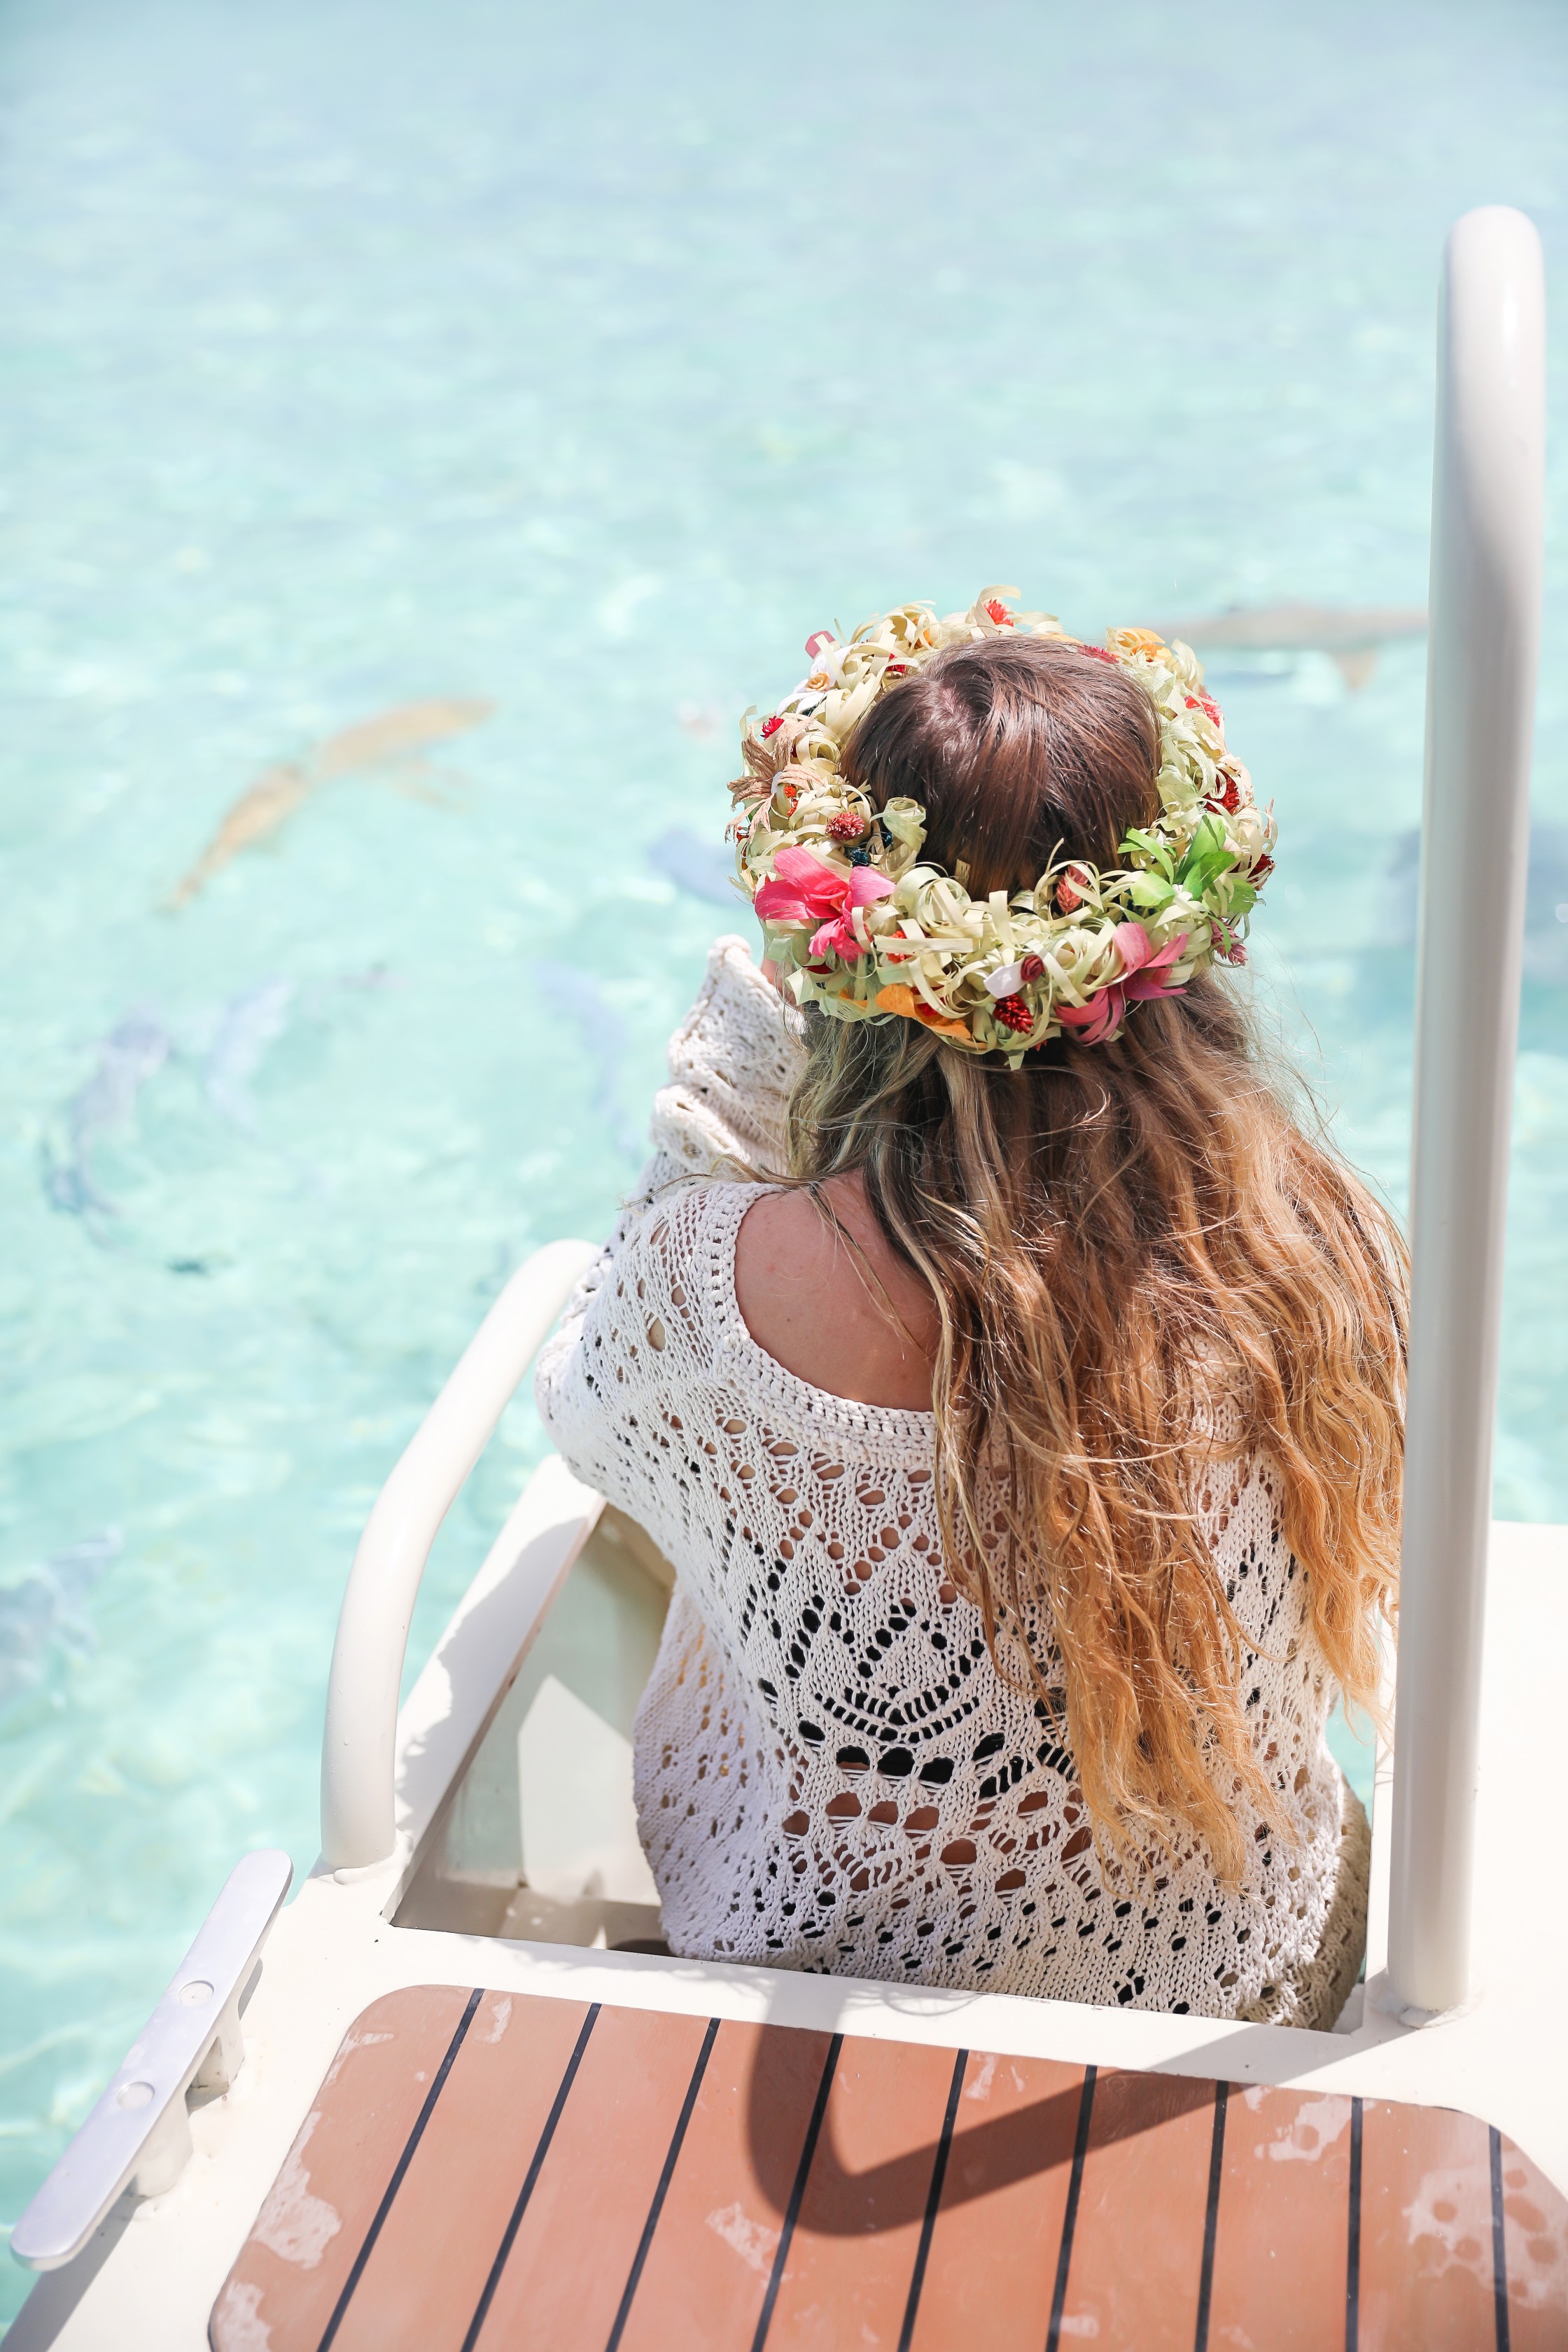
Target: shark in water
392 740
133 1051
45 1611
574 998
1351 637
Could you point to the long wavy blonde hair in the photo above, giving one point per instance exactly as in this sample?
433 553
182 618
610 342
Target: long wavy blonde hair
1143 1266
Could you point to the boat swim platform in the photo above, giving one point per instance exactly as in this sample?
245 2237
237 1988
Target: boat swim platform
357 1943
483 2170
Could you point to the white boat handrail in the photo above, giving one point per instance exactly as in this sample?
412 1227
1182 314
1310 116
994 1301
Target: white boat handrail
139 2135
1486 568
358 1745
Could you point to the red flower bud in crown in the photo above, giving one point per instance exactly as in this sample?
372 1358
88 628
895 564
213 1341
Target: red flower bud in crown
1014 1013
847 825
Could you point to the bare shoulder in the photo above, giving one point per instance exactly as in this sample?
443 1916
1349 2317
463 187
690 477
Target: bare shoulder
826 1298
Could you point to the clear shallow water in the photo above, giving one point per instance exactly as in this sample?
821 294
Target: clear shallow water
580 362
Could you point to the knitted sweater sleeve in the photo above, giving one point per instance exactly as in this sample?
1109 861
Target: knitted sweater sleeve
732 1062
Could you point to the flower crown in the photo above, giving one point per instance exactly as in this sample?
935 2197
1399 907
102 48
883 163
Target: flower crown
859 923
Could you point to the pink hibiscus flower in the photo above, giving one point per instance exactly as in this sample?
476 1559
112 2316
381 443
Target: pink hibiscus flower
802 890
1143 974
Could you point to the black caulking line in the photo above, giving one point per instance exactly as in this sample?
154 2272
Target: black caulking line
1353 2235
1211 2217
1499 2243
403 2161
934 2199
813 2131
634 2274
1070 2219
526 2191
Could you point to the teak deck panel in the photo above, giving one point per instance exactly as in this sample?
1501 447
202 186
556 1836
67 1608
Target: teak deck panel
490 2172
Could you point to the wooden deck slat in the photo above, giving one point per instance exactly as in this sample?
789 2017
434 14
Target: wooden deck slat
1137 2248
845 2282
1282 2228
564 2278
1426 2273
423 2281
297 2261
708 2267
938 2201
1535 2238
991 2264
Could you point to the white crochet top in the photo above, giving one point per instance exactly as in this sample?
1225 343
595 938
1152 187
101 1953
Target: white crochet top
830 1773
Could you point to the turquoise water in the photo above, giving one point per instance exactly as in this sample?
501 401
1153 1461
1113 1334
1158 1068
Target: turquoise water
577 364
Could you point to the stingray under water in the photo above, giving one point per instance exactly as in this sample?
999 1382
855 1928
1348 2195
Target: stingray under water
222 1045
704 868
577 999
1545 900
134 1050
45 1611
250 1021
